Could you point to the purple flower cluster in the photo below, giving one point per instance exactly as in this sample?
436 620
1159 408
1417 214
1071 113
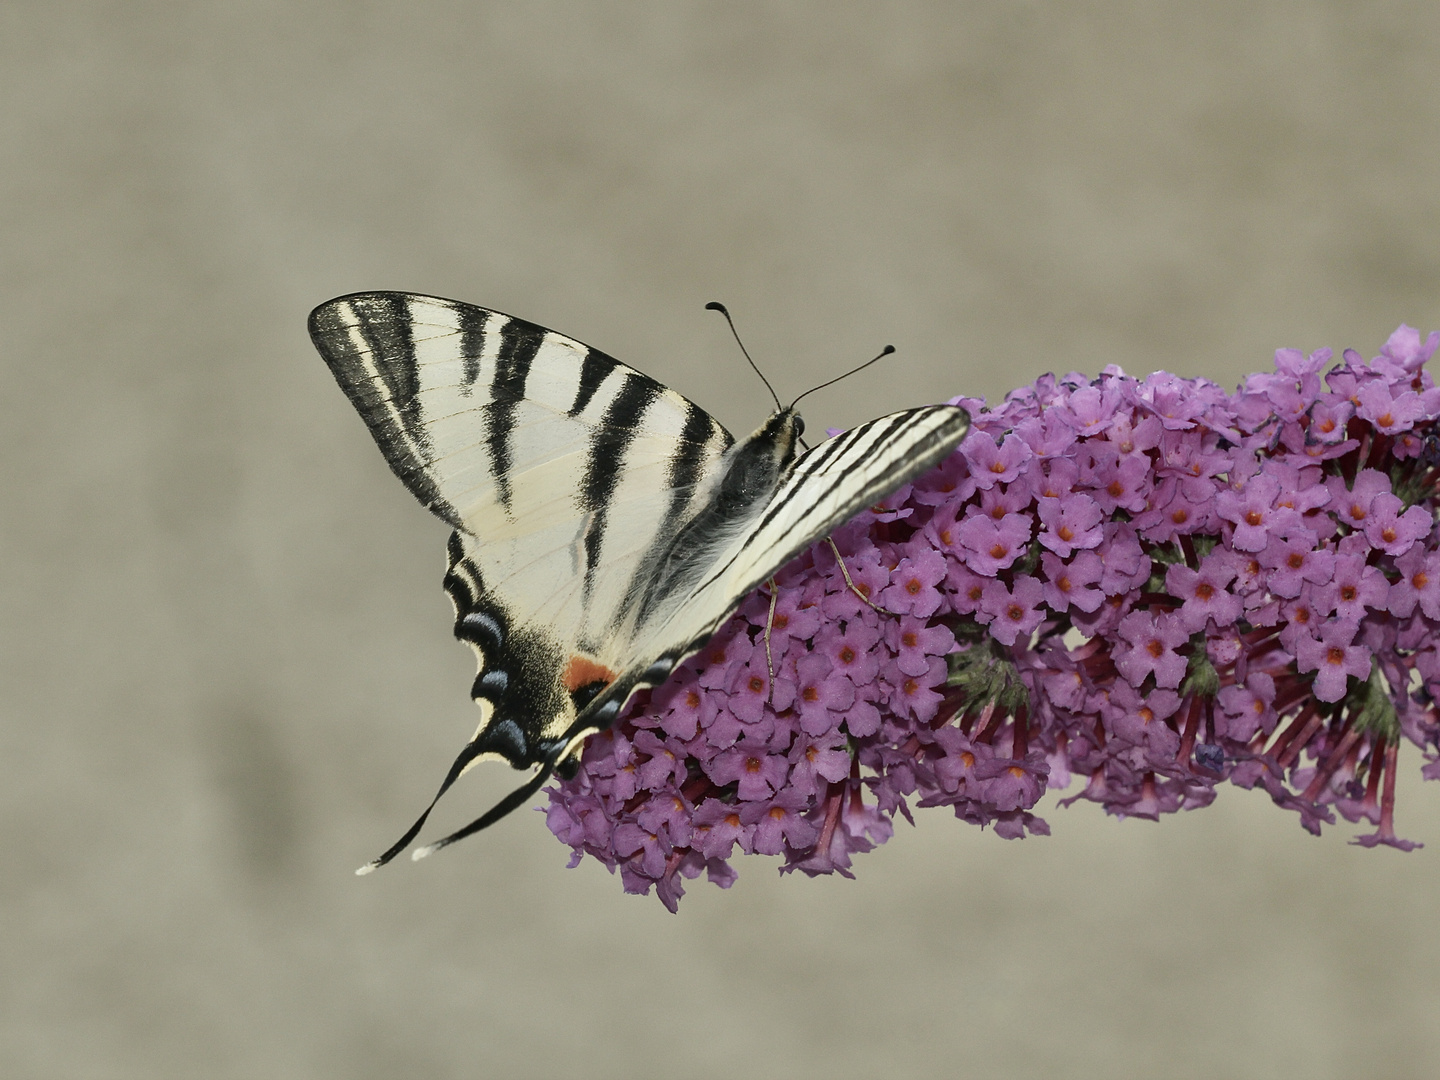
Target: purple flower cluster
1151 584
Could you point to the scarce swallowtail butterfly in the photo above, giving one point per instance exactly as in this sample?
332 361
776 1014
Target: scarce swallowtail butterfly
604 526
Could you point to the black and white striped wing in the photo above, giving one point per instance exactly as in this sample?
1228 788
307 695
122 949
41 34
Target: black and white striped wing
561 470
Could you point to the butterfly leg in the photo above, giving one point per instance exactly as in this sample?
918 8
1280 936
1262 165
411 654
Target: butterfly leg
851 584
769 622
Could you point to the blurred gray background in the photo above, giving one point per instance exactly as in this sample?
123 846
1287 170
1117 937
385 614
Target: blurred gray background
226 672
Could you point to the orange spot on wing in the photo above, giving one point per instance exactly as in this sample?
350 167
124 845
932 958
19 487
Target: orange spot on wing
583 671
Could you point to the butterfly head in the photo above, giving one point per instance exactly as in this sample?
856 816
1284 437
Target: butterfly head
782 434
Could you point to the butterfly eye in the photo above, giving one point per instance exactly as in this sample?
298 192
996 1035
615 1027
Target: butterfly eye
799 427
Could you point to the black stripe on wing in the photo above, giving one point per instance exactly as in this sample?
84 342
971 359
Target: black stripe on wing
702 438
367 341
472 344
701 434
593 371
606 461
519 342
387 330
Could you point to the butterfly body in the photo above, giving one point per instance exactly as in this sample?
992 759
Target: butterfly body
604 525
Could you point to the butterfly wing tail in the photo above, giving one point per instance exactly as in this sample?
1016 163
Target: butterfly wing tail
513 801
474 749
598 716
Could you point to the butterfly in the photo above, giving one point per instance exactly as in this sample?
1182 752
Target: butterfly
604 526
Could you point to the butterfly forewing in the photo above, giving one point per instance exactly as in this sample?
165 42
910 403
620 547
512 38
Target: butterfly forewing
551 459
829 485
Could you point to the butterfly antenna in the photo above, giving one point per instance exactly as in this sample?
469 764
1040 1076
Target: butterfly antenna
883 353
715 305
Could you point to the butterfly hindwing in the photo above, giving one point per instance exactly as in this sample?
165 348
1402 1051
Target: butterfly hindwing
604 525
